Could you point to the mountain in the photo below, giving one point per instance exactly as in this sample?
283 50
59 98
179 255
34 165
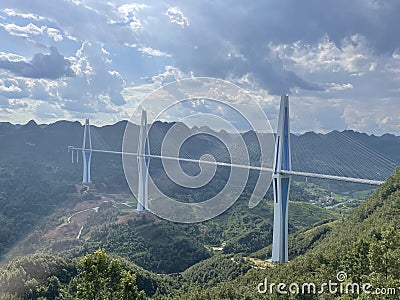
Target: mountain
310 150
34 159
346 153
39 192
359 254
362 247
44 209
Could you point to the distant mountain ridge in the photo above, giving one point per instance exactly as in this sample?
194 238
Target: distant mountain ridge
333 153
38 177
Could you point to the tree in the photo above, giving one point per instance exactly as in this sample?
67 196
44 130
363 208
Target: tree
384 255
127 287
103 278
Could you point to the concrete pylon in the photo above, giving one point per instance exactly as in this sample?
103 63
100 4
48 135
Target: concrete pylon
281 184
86 152
143 164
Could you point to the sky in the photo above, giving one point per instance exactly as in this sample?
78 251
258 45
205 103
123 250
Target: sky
73 59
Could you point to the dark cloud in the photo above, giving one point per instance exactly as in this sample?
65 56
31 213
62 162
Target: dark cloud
341 50
231 38
50 66
251 23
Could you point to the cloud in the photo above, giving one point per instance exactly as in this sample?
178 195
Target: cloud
96 87
352 55
230 40
14 13
379 117
171 74
10 91
46 110
10 56
51 66
42 89
81 20
206 47
11 104
341 54
11 88
127 14
54 34
176 16
338 86
23 31
153 52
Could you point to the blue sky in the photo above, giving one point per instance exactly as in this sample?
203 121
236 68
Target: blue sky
339 60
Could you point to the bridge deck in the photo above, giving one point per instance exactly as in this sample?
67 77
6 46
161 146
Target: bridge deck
263 169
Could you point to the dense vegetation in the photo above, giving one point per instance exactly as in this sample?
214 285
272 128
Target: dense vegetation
94 276
364 245
165 247
28 193
162 248
209 260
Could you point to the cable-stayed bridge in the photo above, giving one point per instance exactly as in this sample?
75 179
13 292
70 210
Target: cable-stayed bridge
343 153
224 164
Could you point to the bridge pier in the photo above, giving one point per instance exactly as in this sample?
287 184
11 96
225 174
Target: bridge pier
86 152
281 184
143 164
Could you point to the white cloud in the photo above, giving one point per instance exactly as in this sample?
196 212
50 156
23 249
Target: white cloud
54 34
353 55
130 45
12 88
176 16
11 57
381 116
128 14
12 104
10 92
43 89
128 10
171 74
14 13
153 52
23 31
339 87
95 83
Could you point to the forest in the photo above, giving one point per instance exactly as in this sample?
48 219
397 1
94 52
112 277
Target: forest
119 255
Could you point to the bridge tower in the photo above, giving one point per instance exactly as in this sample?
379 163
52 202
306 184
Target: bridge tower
86 152
143 164
281 184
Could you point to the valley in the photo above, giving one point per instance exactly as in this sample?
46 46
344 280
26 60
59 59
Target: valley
52 221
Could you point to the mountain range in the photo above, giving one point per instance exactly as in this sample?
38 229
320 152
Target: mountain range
50 224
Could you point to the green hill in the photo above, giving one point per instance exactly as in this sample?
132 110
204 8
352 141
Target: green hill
210 260
364 245
44 276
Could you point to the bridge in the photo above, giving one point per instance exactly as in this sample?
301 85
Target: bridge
281 171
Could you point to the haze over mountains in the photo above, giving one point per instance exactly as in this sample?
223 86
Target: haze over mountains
45 139
44 209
